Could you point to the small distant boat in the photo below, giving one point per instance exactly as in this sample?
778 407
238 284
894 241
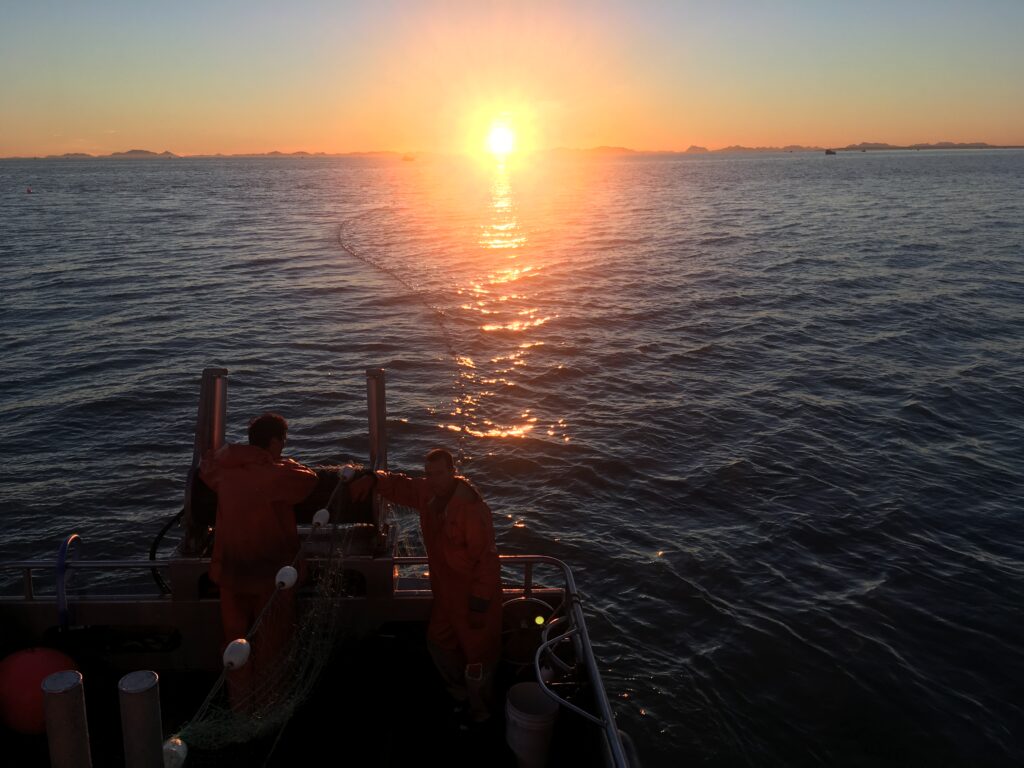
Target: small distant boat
830 151
408 158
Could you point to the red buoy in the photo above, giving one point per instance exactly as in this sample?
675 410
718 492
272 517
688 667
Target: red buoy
21 696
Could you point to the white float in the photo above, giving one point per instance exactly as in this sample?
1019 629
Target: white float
236 654
175 753
286 577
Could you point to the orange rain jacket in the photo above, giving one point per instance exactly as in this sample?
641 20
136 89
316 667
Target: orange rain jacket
463 561
255 532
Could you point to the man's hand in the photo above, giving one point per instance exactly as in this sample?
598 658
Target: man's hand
360 489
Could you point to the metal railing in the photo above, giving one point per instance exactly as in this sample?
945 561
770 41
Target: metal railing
577 631
29 567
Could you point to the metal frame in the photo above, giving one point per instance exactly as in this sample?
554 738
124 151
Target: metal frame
210 428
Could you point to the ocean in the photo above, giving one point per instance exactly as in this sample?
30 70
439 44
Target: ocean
769 407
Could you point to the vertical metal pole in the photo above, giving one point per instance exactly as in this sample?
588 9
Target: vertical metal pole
67 728
210 427
377 408
213 404
141 721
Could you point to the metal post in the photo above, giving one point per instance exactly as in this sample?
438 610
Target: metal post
377 409
67 728
141 721
213 404
210 427
376 406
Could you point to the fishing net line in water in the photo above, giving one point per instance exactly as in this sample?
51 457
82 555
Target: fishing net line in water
240 723
439 315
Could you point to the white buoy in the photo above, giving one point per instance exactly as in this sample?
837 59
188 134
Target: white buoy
348 472
175 753
321 518
236 654
286 577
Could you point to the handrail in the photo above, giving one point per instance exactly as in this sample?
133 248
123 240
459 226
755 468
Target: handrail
44 564
579 630
611 730
28 566
540 678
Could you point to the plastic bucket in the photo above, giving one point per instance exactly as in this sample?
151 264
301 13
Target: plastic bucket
529 721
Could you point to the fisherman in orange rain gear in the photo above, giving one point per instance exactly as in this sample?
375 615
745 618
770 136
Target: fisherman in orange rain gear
255 535
464 634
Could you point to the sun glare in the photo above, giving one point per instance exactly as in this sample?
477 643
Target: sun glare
501 139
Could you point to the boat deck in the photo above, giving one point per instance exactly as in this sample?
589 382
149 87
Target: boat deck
379 702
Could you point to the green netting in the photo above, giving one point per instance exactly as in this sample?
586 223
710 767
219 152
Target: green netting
220 725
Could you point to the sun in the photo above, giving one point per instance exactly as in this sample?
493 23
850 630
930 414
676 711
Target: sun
501 139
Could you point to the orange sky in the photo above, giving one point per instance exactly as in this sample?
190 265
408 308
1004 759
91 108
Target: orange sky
431 76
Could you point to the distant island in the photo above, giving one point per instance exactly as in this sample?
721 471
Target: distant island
604 151
736 148
139 154
145 154
864 146
131 154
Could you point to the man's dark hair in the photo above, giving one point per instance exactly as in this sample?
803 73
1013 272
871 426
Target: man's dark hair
265 428
440 454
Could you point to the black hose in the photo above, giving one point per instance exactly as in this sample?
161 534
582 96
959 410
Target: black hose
161 582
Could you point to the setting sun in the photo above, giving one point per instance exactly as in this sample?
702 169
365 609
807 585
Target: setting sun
501 139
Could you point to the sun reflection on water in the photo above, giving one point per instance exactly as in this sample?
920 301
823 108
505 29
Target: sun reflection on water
502 232
499 297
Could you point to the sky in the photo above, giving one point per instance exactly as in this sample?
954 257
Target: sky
335 76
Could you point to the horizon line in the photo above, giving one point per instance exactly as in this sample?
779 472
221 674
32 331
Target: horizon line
608 148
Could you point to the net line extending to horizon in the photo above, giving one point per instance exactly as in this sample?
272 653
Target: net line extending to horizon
438 314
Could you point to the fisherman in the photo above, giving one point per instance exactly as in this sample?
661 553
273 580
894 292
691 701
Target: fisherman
464 634
255 536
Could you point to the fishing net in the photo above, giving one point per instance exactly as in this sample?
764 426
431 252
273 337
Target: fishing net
236 719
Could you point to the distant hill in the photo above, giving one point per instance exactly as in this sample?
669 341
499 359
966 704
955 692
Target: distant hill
787 148
138 154
875 146
602 151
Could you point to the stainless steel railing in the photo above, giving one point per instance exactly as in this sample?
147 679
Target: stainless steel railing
577 632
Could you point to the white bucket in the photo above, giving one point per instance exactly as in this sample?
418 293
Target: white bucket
529 720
